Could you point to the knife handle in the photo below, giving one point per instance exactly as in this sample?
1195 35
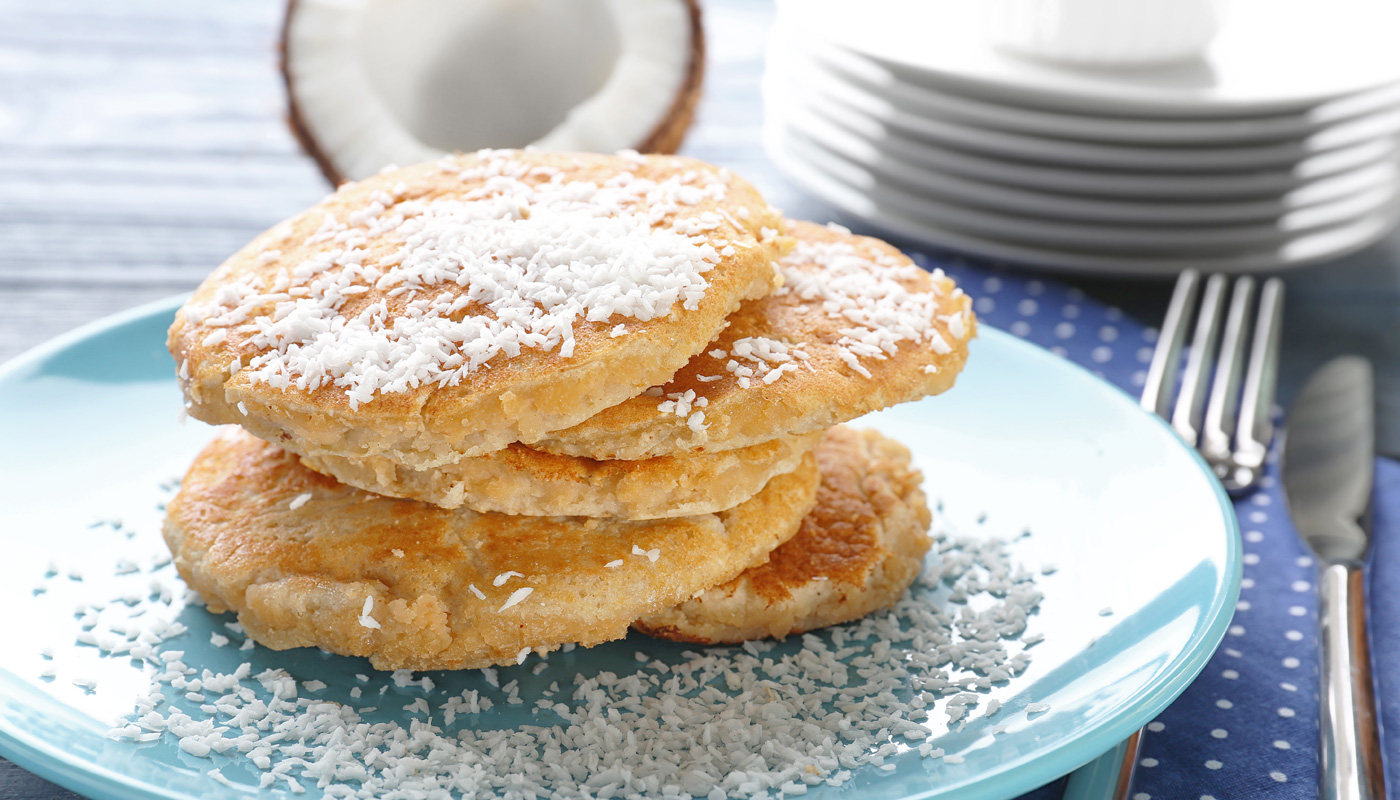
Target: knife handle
1350 747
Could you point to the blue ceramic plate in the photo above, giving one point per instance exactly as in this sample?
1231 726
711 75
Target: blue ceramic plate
1027 448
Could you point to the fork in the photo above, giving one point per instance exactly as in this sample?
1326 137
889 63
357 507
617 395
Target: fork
1229 425
1232 429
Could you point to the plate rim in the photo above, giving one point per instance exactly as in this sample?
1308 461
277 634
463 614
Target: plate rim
1018 199
1069 153
1050 260
1090 125
101 782
886 189
1072 94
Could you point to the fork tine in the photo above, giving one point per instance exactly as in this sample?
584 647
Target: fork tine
1161 374
1222 409
1256 428
1190 403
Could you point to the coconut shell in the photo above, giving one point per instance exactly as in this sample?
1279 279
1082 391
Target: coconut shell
666 137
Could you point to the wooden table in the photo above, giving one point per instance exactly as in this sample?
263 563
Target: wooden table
143 141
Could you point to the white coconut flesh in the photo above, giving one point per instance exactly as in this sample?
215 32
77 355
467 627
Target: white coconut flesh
375 83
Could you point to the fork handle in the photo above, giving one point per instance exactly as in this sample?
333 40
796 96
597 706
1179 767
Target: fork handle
1350 746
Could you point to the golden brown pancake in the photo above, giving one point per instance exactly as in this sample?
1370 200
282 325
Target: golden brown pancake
449 309
519 480
857 551
856 327
308 562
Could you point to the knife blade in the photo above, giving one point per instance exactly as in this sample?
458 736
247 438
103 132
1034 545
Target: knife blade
1328 459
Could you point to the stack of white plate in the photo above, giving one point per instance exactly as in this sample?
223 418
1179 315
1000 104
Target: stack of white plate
1279 146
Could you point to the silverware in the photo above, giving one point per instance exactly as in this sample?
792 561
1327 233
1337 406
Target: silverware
1231 428
1228 423
1328 455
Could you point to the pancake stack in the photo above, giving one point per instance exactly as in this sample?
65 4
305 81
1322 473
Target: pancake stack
516 400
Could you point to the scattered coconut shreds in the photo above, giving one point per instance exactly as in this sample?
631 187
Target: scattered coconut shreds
511 265
614 564
761 358
365 619
516 597
299 501
219 776
505 576
761 719
651 555
871 296
479 594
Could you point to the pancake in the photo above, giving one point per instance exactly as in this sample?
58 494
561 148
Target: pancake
856 327
308 562
449 309
519 480
857 551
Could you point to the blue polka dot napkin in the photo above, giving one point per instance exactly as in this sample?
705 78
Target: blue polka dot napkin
1247 727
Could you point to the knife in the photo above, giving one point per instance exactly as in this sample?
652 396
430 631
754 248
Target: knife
1328 458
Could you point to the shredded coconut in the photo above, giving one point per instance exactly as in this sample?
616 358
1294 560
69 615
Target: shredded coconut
762 358
505 576
365 619
512 264
760 719
869 295
299 501
515 597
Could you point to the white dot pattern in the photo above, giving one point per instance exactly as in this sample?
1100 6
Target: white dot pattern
1236 721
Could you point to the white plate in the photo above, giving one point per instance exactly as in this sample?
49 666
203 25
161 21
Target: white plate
814 89
1307 249
1179 240
1145 541
1350 193
878 79
1272 57
1349 161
